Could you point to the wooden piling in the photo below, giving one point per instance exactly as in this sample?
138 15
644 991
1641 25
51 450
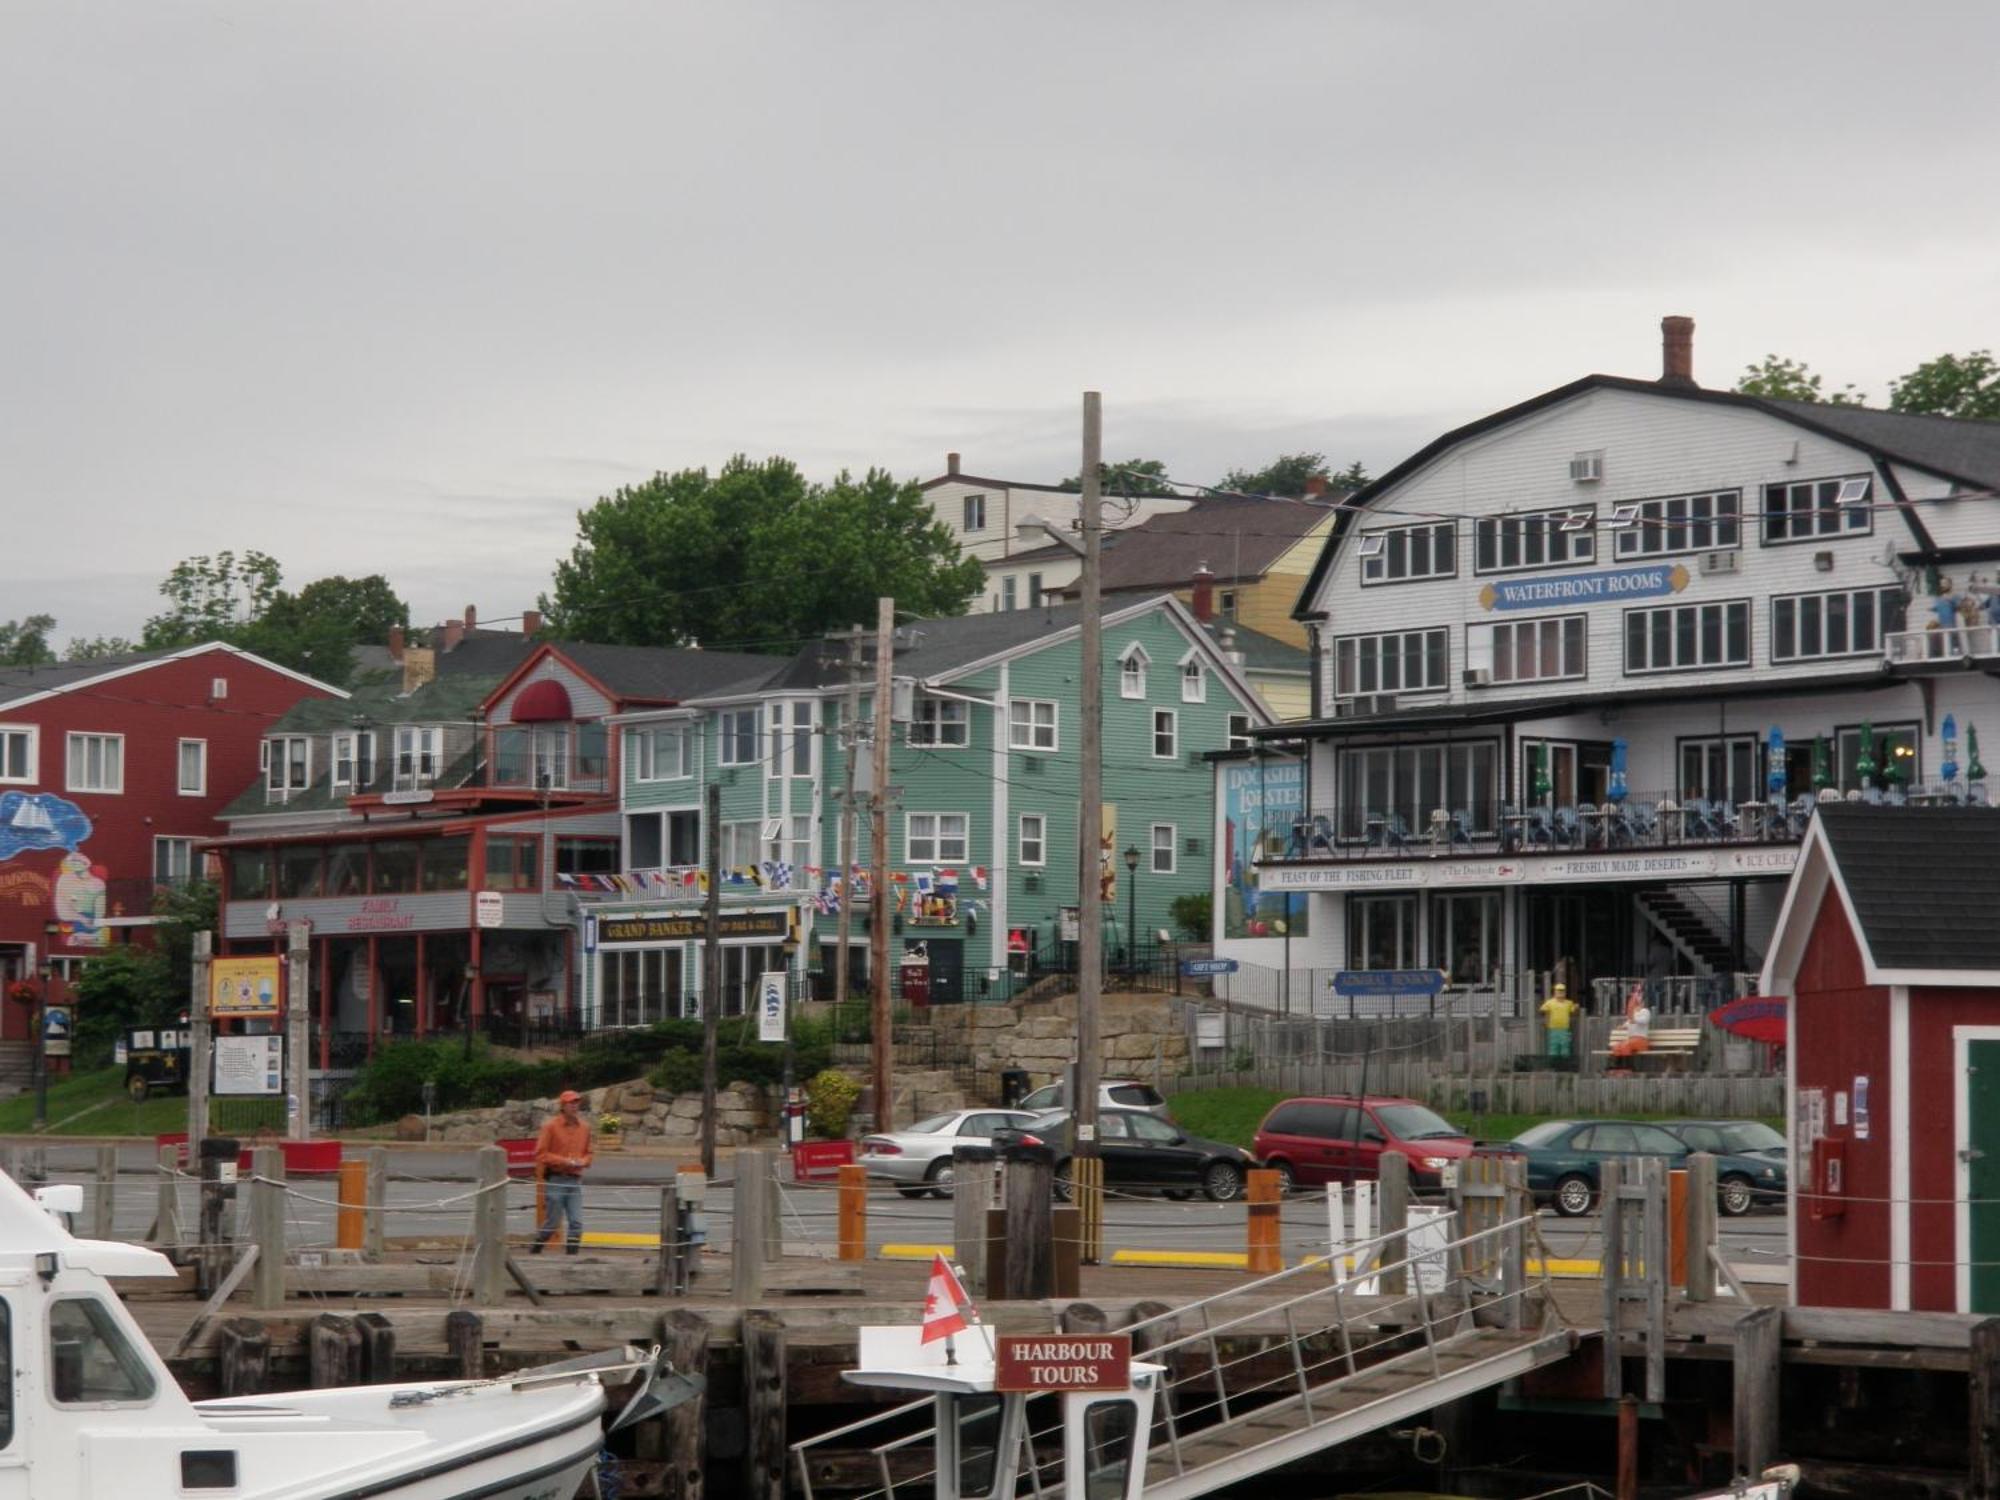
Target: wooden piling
1628 1448
1699 1228
104 1194
1265 1257
351 1218
774 1211
377 1338
1611 1216
167 1208
1029 1189
748 1240
684 1336
332 1352
267 1218
1393 1205
1984 1445
1677 1227
1084 1317
763 1405
243 1357
465 1336
853 1220
973 1173
374 1231
489 1229
1757 1342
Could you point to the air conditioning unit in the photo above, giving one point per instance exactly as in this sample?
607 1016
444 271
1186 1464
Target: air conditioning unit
1719 562
1031 765
1197 757
1031 883
1587 468
1191 845
1479 677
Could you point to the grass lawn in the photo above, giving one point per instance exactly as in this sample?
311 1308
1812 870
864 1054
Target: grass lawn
95 1104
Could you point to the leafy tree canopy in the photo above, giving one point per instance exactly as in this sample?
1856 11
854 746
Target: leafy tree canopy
242 600
25 643
1951 385
97 647
1290 473
753 556
1136 476
1783 379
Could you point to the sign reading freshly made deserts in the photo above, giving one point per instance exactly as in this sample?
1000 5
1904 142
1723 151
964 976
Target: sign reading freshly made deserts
683 928
1062 1362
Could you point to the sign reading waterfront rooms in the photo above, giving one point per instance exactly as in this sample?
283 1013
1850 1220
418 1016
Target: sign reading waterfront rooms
1585 588
1062 1362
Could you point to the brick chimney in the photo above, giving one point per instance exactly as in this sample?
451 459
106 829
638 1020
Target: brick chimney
396 640
419 667
1315 487
1204 593
453 632
531 621
1677 352
471 617
951 463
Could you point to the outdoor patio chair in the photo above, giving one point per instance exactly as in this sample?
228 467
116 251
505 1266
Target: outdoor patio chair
1568 830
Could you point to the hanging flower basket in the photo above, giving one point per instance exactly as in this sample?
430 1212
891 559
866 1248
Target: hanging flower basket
24 992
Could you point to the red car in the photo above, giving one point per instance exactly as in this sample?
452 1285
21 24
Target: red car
1310 1142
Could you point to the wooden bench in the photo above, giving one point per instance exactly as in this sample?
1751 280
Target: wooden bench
1670 1048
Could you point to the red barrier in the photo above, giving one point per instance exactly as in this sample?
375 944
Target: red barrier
520 1155
811 1159
302 1158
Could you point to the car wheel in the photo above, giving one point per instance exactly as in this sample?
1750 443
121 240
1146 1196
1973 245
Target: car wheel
1287 1182
940 1177
1737 1195
1062 1183
1222 1182
137 1089
914 1192
1573 1196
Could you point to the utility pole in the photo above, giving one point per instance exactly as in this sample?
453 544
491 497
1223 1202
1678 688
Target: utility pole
1087 1167
199 1046
850 737
881 1042
298 1044
711 978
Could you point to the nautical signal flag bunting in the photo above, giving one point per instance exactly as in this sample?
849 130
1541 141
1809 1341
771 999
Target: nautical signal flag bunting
945 1303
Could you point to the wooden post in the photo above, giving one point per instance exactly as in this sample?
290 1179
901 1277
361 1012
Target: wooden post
489 1229
853 1219
332 1351
1029 1188
378 1348
1516 1206
298 1027
1611 1216
973 1171
774 1210
1146 1340
374 1232
1758 1343
215 1151
763 1405
1984 1441
465 1337
747 1237
351 1219
685 1337
104 1207
1393 1205
1628 1448
666 1279
1657 1235
200 1054
267 1214
1085 1317
1698 1228
243 1356
1677 1227
167 1209
1265 1256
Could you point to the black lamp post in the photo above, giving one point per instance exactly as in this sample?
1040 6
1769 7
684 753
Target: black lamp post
1131 913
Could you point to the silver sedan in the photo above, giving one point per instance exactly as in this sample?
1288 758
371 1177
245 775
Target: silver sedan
918 1160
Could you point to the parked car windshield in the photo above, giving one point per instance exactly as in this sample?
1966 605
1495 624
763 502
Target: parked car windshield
1750 1135
1135 1094
933 1125
1545 1134
1413 1122
1053 1119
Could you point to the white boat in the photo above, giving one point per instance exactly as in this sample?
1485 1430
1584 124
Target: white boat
88 1409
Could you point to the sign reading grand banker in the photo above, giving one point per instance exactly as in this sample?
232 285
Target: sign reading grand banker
1062 1361
684 928
1585 588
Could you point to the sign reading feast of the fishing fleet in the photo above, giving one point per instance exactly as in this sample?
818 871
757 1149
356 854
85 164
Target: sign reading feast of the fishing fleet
1062 1362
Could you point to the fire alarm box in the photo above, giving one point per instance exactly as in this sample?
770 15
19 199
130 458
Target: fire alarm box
1829 1178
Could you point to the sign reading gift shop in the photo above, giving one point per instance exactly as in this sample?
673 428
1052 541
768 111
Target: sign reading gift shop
680 928
1585 588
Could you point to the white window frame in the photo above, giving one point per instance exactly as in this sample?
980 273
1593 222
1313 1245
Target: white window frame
1038 841
791 732
1352 645
1571 638
347 749
1385 546
729 736
163 841
1725 664
1545 533
1034 591
1169 849
1132 664
973 514
422 746
31 759
1671 526
1225 602
642 747
200 788
1239 732
934 839
1194 678
79 739
1825 519
1032 724
1172 719
278 764
931 717
1009 592
742 844
1798 604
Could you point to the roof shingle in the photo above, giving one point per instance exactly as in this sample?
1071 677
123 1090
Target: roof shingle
1925 882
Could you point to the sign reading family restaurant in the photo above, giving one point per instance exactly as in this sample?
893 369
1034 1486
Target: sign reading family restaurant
691 926
1062 1362
1533 869
1585 588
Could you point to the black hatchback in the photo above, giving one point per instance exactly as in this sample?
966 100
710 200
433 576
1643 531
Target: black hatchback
1142 1153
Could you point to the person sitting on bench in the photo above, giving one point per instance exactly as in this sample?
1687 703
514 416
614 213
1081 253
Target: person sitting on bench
1638 1022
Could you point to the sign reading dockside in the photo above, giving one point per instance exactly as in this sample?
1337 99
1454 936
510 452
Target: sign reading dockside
1585 588
1062 1362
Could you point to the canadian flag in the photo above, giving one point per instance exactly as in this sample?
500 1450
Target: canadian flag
943 1300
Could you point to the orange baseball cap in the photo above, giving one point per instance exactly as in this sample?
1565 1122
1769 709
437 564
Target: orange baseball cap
569 1096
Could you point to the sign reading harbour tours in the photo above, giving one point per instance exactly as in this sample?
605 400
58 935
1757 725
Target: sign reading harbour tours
1062 1362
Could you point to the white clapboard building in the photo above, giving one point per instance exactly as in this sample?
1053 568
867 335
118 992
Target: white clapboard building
1583 667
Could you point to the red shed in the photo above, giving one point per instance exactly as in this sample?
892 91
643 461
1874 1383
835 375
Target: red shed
1889 949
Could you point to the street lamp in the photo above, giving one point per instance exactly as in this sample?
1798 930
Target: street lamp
1131 913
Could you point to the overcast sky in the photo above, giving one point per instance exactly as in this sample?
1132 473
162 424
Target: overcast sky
397 287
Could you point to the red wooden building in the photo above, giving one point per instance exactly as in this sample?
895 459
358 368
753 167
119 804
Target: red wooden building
111 772
1889 949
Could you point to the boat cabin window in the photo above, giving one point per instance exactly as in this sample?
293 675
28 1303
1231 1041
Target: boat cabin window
91 1362
978 1444
1108 1430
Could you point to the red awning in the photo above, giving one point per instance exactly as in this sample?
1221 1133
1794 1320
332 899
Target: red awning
1758 1018
543 702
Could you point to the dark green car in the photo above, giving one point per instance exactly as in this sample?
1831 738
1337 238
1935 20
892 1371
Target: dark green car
1564 1157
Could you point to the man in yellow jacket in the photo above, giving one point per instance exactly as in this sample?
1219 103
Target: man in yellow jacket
562 1151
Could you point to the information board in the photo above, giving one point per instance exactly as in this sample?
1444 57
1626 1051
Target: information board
249 1064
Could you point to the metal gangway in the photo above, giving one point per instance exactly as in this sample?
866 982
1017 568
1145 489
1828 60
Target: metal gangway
1370 1336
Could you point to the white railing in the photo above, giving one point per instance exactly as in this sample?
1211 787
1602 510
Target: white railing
1909 648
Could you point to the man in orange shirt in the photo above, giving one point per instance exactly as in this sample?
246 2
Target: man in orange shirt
562 1151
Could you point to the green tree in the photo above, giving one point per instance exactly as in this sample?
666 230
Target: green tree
243 601
1792 380
1951 385
753 555
131 985
98 647
210 597
1290 474
1136 476
25 643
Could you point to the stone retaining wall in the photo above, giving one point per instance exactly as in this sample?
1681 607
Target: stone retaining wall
743 1114
1140 1038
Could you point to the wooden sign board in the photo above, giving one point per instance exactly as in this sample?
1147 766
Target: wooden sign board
1062 1361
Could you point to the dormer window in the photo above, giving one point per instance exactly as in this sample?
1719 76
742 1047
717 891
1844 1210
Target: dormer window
287 764
1194 679
419 748
1132 671
354 759
941 721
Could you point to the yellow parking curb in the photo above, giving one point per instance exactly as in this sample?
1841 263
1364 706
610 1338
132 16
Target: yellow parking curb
621 1240
915 1252
1190 1259
1562 1267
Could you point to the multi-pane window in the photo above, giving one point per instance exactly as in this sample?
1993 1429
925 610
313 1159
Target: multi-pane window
1382 785
287 763
658 752
1132 672
1034 591
742 845
354 758
1166 734
1031 724
1539 540
1845 622
1677 637
1194 681
1008 593
173 860
788 841
1163 849
1541 650
419 750
941 721
17 753
1239 731
511 864
1816 508
1720 768
1682 523
640 986
1034 839
1403 554
975 513
935 838
791 739
1465 936
738 731
1888 745
580 856
1404 661
191 778
1382 932
97 763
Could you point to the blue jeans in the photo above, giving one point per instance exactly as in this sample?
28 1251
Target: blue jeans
563 1197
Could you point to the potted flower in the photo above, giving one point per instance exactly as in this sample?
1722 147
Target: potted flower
24 992
611 1131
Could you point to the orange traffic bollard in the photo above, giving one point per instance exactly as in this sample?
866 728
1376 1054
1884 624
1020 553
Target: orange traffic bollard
1265 1257
351 1225
853 1212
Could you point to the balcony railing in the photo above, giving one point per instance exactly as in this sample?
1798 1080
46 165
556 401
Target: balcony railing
1947 646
